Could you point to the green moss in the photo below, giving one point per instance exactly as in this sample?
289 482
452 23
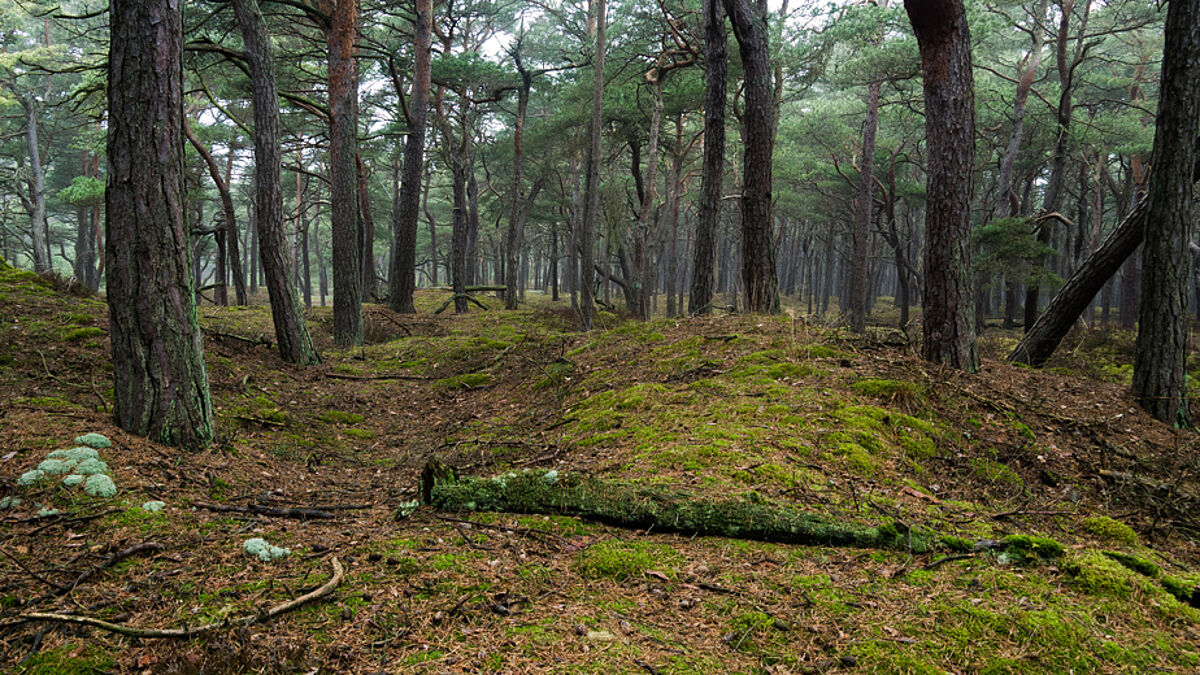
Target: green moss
82 333
339 417
857 458
144 521
69 660
619 561
360 433
1027 548
1135 563
993 471
904 392
1098 575
464 381
1184 589
1109 529
47 402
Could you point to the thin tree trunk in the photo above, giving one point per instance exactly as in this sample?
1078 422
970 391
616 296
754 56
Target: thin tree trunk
864 211
368 231
340 36
591 209
713 163
291 331
403 273
37 191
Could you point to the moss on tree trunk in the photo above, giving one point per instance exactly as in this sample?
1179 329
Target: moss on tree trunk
652 508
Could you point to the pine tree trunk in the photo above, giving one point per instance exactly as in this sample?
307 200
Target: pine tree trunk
340 36
758 255
591 207
945 46
402 277
159 381
1160 355
291 331
864 211
704 247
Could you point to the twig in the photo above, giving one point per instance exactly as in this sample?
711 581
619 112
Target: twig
146 633
505 528
57 588
648 668
388 376
112 560
256 341
945 559
301 514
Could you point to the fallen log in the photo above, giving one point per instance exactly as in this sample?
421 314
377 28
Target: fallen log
653 508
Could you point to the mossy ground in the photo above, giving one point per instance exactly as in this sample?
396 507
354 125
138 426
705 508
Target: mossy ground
764 408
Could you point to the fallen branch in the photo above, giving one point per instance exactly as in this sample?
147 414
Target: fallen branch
275 512
387 376
651 508
186 633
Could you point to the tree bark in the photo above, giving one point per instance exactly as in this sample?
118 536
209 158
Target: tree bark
1160 354
340 34
945 46
39 234
368 231
402 277
591 208
159 381
863 212
713 162
291 331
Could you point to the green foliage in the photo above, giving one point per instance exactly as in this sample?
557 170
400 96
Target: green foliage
84 191
1010 246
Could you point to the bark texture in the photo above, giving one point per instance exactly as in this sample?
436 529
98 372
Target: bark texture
758 251
340 35
704 249
863 213
160 384
945 46
1159 368
291 331
591 207
402 278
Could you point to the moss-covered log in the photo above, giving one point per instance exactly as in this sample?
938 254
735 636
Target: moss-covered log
651 508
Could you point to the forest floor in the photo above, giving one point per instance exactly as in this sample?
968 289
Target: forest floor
769 409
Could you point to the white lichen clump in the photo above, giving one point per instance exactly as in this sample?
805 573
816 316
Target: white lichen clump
99 485
264 551
10 502
74 454
90 467
46 511
94 440
73 480
55 467
154 506
30 477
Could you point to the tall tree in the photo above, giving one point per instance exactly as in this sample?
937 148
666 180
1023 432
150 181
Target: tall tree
402 275
944 42
758 251
1159 374
291 331
340 34
700 299
159 381
591 206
